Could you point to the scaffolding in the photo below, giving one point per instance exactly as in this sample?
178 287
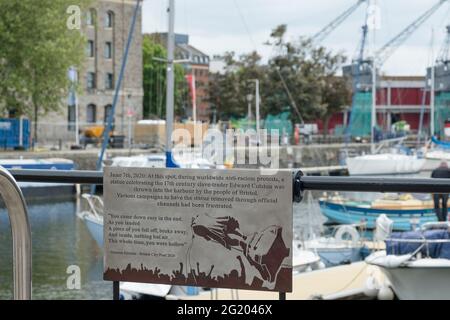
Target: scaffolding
360 117
441 112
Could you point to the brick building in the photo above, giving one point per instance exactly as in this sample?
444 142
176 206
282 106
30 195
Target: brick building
106 26
197 65
398 98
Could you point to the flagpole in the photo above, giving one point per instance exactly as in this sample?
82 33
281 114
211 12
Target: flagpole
170 90
194 100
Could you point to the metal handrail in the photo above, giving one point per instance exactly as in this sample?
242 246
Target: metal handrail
21 231
21 234
324 183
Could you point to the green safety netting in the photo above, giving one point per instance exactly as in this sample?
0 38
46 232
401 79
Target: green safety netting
441 112
360 117
339 130
242 124
280 122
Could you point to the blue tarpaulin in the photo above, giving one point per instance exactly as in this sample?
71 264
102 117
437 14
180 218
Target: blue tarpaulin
395 246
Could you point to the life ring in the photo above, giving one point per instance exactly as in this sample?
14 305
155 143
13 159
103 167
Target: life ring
350 230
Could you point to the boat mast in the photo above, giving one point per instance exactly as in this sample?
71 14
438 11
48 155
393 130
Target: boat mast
170 85
432 95
373 117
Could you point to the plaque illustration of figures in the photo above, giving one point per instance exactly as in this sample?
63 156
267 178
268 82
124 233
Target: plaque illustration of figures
190 238
260 254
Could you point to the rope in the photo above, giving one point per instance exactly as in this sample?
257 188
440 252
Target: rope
351 281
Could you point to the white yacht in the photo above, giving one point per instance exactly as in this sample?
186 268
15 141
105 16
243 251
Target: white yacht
417 264
385 164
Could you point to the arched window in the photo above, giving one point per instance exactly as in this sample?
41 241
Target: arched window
90 17
91 113
108 110
91 80
109 19
90 49
108 50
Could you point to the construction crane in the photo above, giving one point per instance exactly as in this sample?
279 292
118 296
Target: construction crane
362 45
438 76
322 34
441 70
360 69
364 78
388 49
443 53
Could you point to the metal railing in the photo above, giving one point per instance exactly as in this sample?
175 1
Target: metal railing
301 183
21 234
17 210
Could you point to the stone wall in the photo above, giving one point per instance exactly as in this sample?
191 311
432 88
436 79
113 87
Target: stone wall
294 156
54 127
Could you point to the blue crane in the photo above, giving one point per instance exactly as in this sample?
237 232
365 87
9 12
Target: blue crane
389 48
443 56
325 31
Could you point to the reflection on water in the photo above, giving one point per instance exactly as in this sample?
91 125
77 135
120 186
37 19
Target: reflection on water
60 239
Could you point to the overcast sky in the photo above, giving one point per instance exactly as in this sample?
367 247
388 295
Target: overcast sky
216 26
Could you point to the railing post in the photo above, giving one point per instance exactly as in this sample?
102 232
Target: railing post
21 234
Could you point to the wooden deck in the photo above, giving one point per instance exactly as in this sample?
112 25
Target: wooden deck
343 282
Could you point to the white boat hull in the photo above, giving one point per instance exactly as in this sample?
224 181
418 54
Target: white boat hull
414 279
435 158
384 164
419 283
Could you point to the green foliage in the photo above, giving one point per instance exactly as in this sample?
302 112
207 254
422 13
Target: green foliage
37 49
155 80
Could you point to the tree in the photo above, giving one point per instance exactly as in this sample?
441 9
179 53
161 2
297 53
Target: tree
228 90
155 80
299 75
309 72
37 49
336 96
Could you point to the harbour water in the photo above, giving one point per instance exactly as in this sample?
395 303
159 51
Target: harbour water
60 239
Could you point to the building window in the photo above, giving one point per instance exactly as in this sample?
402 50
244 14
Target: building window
108 111
90 49
91 80
108 50
91 113
109 81
109 19
71 118
90 17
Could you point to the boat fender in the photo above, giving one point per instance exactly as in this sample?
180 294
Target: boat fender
385 293
347 230
371 287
